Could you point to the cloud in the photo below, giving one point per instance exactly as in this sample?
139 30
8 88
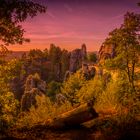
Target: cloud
65 35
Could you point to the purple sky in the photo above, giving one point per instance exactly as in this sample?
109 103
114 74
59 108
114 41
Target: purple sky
70 23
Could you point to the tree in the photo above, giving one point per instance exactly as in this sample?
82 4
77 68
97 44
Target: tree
3 53
65 58
92 57
71 87
54 54
46 53
126 40
55 59
36 53
53 89
12 13
8 103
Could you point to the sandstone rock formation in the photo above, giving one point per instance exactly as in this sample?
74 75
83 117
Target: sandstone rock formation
83 52
76 58
107 51
67 75
34 86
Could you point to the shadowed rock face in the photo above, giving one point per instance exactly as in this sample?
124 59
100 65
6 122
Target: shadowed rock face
67 75
106 52
33 87
33 82
88 71
76 58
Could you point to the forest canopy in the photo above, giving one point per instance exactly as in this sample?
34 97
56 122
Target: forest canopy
53 89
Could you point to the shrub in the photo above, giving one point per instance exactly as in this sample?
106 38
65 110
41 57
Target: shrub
45 110
8 110
72 85
91 89
53 88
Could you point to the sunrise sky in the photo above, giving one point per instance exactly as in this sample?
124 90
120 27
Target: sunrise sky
70 23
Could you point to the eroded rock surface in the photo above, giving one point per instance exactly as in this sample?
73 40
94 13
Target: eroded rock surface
76 58
106 52
34 86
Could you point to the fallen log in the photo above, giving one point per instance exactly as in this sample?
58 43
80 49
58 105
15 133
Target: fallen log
74 117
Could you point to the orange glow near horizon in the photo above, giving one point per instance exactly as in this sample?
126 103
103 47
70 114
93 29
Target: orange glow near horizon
68 46
69 24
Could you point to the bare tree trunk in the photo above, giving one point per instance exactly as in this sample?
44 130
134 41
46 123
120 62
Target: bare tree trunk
73 118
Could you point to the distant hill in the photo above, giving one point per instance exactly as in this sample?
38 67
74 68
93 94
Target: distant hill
15 54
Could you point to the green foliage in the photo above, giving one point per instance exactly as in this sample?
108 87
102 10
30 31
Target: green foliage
113 95
35 53
46 110
115 63
3 53
54 54
8 104
13 12
126 41
118 97
53 88
91 89
8 110
38 54
92 57
46 53
72 85
8 71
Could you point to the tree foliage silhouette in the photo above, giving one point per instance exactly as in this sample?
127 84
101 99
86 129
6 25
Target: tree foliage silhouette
12 13
126 39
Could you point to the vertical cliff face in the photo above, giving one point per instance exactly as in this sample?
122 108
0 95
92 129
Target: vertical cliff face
83 52
76 58
106 52
34 87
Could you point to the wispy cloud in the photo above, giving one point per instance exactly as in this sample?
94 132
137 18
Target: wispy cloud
65 35
50 14
68 8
